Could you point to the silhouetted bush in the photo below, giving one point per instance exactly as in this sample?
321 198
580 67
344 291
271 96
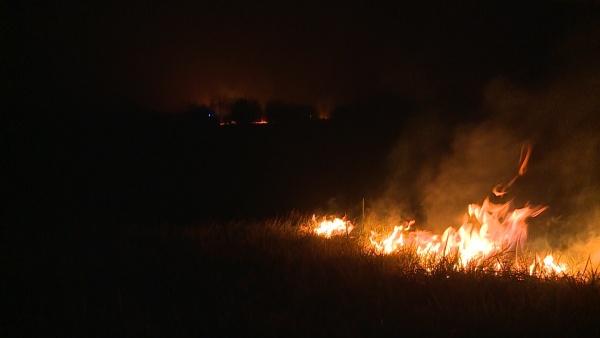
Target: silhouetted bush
200 115
378 111
279 112
245 111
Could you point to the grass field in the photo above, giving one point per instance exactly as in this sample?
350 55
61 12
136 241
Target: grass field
269 278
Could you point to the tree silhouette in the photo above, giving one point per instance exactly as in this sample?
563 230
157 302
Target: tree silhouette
279 112
245 111
200 115
378 111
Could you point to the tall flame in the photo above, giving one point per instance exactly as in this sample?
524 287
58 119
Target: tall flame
487 229
500 190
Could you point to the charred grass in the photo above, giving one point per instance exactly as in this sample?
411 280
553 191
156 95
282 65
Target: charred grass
269 279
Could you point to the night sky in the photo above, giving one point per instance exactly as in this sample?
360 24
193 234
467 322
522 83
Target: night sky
169 55
472 83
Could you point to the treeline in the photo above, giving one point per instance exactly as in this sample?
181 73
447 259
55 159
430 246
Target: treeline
248 111
124 161
244 111
136 164
375 112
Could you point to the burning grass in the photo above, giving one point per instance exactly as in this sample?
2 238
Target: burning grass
275 278
491 238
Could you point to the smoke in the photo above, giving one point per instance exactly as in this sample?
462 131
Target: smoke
586 244
441 167
413 162
479 159
562 120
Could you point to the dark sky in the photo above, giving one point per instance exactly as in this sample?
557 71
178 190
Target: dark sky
175 53
532 68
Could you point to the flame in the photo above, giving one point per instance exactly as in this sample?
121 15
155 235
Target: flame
392 242
524 159
500 190
487 230
335 227
546 266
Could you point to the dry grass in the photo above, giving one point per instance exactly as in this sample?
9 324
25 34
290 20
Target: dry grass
276 279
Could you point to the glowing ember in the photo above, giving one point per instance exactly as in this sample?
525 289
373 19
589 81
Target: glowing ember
487 230
335 227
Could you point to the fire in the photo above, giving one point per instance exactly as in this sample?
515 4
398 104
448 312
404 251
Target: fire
334 227
491 236
500 190
546 266
392 242
487 230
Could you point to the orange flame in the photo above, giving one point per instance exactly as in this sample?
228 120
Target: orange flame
392 242
487 230
546 266
500 190
524 159
335 227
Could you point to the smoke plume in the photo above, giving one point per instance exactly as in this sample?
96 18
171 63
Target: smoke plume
440 167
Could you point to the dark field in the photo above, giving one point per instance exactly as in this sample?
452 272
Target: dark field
267 279
162 227
157 168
